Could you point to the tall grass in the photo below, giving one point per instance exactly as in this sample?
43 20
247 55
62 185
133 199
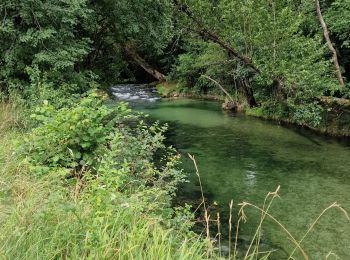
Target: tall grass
11 187
10 116
61 232
46 224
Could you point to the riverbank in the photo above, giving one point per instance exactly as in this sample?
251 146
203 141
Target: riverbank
113 207
334 119
333 123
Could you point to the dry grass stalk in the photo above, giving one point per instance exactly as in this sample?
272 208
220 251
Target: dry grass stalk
334 205
230 230
291 237
257 234
79 184
219 232
236 237
206 215
331 254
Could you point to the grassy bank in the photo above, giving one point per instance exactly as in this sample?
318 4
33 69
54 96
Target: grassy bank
89 215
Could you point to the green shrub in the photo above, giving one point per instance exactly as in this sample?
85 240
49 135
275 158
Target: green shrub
112 148
58 94
68 137
308 114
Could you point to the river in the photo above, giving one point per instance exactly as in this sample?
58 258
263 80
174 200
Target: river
242 158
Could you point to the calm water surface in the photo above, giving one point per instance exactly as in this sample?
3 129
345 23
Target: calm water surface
243 158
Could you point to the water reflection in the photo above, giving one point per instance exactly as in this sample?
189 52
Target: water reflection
250 178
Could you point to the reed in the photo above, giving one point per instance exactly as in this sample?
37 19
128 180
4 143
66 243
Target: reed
206 215
230 230
219 232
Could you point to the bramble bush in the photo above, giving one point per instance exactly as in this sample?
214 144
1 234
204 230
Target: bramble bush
68 137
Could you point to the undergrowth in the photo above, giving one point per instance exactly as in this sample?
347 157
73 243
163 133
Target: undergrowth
109 202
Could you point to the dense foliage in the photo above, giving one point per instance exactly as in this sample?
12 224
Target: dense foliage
69 45
44 40
284 42
270 54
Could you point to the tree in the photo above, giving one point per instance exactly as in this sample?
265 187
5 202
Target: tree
268 34
70 44
337 16
43 37
140 30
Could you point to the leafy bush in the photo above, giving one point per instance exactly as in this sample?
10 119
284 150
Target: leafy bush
308 114
112 148
69 137
43 88
305 112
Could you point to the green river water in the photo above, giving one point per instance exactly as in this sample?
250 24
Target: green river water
243 158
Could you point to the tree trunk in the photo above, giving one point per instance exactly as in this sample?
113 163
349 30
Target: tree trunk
219 85
248 91
329 43
148 68
206 34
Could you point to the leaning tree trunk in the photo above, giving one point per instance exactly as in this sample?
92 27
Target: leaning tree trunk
148 68
329 43
212 36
